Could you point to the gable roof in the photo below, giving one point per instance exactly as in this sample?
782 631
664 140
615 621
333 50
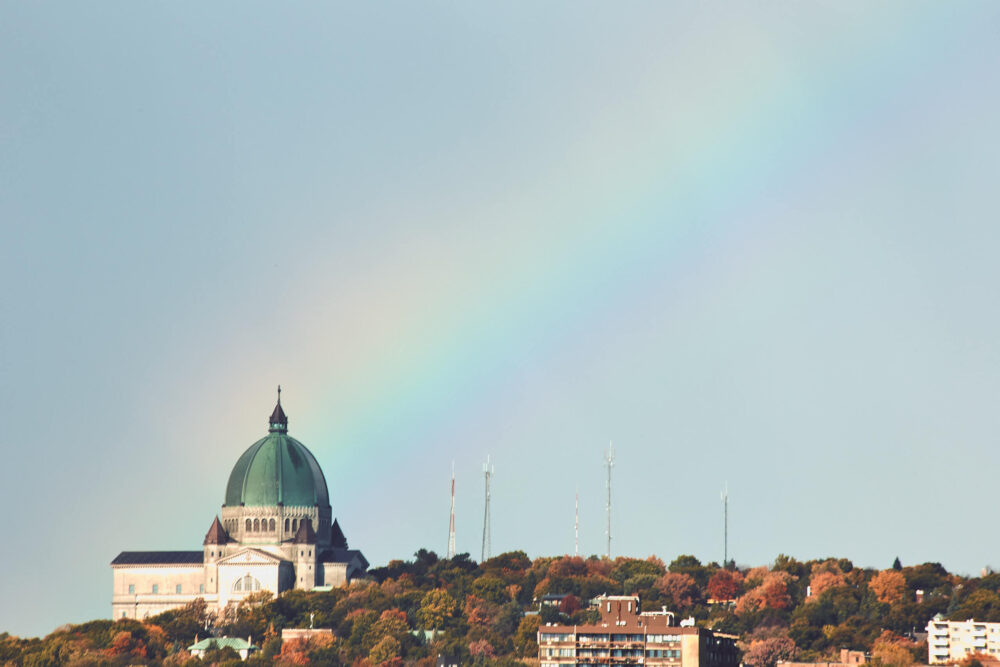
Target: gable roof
250 556
235 643
159 558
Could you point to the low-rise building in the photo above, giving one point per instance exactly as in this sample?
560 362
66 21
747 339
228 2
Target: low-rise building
243 647
626 637
847 659
950 641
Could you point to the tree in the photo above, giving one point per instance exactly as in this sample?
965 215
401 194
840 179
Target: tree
436 609
821 582
385 650
896 565
767 652
482 648
889 586
680 589
526 637
982 605
724 585
891 650
569 605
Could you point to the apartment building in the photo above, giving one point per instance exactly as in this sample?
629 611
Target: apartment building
626 637
950 641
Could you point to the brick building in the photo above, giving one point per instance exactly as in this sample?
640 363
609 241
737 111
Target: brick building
625 637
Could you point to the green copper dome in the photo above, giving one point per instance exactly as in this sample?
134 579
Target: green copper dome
277 469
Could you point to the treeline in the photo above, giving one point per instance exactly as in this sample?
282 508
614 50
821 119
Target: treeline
487 614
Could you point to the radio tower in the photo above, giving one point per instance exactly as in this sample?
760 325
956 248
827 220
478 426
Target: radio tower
609 463
451 524
487 532
576 527
725 526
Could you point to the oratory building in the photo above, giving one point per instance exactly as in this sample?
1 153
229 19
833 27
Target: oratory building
277 533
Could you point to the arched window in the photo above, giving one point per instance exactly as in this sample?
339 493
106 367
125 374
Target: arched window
256 525
295 524
286 524
249 526
246 584
271 527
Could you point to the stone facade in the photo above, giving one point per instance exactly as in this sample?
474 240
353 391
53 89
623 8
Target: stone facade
256 546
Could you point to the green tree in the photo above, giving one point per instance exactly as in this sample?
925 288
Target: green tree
385 650
436 609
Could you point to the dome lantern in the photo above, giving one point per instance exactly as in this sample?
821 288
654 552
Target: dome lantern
278 421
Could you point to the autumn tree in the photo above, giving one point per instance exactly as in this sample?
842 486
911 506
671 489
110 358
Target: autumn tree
724 585
766 652
436 609
889 586
823 581
482 648
891 650
385 650
680 589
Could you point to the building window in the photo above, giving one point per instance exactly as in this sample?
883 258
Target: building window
131 589
249 525
295 524
201 588
286 525
178 589
156 589
272 525
246 584
256 525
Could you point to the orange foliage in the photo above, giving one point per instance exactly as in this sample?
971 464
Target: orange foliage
680 588
891 650
568 566
772 593
888 586
824 581
724 585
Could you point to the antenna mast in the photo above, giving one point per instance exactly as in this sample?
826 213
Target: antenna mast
609 463
725 526
576 527
487 531
451 524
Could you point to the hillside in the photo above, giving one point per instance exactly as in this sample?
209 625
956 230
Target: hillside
807 610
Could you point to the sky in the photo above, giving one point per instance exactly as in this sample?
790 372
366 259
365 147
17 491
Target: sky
750 244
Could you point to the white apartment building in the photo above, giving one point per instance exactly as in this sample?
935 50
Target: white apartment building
950 641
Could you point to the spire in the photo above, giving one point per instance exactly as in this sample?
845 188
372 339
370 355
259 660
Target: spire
305 534
337 539
278 421
216 533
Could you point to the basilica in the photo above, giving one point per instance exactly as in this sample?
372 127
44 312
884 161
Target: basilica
276 533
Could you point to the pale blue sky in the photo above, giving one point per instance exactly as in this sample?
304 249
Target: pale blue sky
750 243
